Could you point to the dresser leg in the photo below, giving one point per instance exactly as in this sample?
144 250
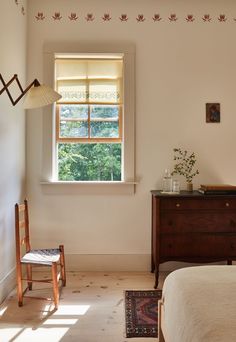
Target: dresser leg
156 277
152 265
229 262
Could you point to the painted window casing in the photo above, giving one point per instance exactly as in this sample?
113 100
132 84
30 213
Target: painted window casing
127 185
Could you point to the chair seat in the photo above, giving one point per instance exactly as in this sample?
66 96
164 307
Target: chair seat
41 256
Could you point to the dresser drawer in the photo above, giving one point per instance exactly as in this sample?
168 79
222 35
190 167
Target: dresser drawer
202 203
177 221
197 246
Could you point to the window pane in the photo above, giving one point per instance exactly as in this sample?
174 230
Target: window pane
75 129
99 112
104 129
74 111
89 162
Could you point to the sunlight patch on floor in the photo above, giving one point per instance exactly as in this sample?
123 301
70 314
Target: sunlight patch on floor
8 334
62 321
2 310
41 334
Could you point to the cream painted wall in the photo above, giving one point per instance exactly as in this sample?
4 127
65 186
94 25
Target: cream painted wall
12 136
180 66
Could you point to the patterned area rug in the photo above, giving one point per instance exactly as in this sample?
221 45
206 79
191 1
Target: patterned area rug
141 313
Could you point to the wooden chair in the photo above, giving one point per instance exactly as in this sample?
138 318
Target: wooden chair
35 257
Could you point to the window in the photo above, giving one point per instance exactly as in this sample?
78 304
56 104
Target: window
55 51
89 117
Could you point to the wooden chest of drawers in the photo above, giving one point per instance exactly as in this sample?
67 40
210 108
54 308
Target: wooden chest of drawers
192 227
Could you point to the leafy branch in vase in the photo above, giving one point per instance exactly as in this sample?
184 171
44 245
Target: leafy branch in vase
185 164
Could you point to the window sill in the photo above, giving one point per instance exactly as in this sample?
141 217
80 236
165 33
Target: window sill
88 187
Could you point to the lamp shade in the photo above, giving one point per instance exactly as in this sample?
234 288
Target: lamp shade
40 96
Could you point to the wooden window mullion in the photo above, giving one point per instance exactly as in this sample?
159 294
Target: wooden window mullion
58 120
120 122
88 98
89 121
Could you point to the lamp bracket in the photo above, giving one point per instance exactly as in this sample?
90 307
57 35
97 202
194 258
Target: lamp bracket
23 91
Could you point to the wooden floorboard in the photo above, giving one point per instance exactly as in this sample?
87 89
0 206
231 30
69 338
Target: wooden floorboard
91 309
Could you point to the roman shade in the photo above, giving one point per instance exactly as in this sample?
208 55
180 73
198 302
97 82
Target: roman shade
90 81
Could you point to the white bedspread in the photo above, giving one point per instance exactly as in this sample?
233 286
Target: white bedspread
200 304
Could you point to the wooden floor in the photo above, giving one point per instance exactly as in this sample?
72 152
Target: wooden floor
91 309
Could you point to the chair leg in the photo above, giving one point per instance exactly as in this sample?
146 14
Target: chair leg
62 263
29 276
55 284
19 284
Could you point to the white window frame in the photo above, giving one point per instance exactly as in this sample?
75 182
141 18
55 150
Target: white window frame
127 185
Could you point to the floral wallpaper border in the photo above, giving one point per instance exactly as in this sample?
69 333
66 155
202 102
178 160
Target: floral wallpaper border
140 18
22 8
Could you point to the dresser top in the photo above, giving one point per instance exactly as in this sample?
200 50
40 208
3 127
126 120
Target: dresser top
158 193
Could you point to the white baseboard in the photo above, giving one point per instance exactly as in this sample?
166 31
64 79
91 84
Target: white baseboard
7 284
119 262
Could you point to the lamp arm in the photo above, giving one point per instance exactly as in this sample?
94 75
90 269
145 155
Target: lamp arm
6 85
23 92
34 83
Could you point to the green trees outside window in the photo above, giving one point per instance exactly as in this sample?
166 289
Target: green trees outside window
89 162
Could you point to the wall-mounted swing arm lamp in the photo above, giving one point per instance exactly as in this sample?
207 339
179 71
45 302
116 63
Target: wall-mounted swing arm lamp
37 95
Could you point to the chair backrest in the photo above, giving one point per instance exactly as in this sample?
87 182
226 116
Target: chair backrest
22 228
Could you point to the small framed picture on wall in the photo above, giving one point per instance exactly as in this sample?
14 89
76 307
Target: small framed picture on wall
212 112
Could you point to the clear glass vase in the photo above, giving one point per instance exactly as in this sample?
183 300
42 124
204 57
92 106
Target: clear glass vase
189 186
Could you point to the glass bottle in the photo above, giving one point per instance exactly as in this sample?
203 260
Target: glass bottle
167 182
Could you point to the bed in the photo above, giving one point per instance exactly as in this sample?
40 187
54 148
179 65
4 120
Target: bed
199 305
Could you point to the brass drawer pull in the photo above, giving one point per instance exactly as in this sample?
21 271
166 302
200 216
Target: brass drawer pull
227 204
177 205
